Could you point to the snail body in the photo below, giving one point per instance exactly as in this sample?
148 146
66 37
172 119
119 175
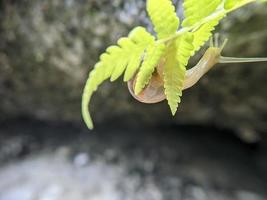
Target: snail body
154 91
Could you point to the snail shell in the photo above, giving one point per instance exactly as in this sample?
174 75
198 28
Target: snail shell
152 93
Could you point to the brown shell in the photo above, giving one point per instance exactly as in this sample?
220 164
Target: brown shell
152 93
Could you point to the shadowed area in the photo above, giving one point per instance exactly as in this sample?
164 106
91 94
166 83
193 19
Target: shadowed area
46 160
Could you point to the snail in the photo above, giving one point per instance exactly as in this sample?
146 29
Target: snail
154 91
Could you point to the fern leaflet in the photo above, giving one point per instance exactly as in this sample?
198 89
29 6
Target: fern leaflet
163 16
152 57
203 33
230 4
184 46
196 10
126 55
177 56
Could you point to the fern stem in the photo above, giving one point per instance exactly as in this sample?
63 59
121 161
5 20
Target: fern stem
177 34
240 60
245 2
209 18
195 26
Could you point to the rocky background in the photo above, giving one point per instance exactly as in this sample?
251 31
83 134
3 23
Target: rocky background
47 48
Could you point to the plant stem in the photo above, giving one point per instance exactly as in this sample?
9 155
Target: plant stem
209 18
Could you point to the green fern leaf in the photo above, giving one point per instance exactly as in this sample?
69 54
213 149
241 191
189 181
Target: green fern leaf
203 33
124 56
142 39
177 56
185 47
120 64
229 4
174 76
196 10
163 16
133 64
152 57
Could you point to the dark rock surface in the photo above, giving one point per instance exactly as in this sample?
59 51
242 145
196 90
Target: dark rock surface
55 161
47 48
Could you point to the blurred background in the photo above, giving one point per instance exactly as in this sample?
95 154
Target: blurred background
214 148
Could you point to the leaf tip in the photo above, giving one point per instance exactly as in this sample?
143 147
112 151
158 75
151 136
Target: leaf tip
90 126
85 112
126 77
173 110
137 90
114 77
87 120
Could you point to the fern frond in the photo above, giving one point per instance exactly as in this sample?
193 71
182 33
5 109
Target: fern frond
118 58
185 47
196 10
163 16
203 33
229 4
174 76
177 56
142 39
152 57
